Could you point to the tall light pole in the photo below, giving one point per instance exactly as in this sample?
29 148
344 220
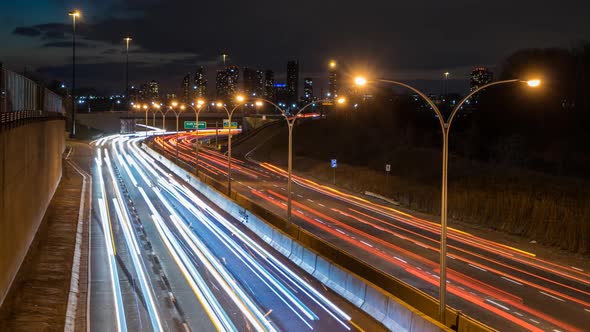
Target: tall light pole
445 127
197 110
74 14
127 41
240 100
290 124
172 108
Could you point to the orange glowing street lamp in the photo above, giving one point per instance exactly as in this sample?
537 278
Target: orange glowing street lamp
445 127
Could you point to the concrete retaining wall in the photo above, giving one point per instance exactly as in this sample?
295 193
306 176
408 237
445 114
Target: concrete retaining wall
386 308
30 170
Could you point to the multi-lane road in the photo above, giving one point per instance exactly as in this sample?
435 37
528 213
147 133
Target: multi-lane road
507 288
164 258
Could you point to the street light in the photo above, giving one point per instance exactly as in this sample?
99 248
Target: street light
290 125
177 114
197 110
127 40
445 127
74 14
240 99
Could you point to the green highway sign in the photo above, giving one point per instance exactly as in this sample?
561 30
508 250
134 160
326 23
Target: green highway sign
192 125
226 125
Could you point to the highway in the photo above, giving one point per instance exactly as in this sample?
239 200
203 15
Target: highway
164 258
507 288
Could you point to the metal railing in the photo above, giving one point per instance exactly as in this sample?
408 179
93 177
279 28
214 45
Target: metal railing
19 93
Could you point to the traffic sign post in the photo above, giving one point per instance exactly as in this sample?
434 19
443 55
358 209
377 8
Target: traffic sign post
226 124
334 164
193 125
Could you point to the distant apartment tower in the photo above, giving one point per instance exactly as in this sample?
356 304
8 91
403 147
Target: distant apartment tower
226 84
307 89
480 76
200 83
292 81
249 81
233 74
221 90
269 82
259 83
281 94
186 91
154 91
332 80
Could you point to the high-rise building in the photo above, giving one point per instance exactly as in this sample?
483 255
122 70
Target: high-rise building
259 85
293 80
200 83
221 90
332 80
249 81
281 93
307 89
186 91
480 76
226 84
143 92
269 82
233 74
154 91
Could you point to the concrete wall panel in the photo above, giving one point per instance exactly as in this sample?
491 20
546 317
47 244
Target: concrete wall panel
30 170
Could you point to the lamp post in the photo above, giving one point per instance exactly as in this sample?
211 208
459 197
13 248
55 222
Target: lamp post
172 108
290 124
240 100
445 126
127 40
197 110
74 14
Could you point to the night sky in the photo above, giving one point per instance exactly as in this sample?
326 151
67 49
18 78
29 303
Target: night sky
409 40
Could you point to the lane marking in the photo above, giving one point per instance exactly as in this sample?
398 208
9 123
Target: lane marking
477 267
401 260
577 269
587 309
516 282
309 200
498 305
322 205
551 296
519 314
534 321
367 244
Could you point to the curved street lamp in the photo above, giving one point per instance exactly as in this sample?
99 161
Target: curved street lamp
240 99
445 128
200 104
290 124
173 108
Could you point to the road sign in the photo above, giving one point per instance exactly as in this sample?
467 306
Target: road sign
226 125
191 125
333 163
388 167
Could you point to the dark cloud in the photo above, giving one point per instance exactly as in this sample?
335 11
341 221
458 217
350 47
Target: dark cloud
26 31
46 31
384 36
62 44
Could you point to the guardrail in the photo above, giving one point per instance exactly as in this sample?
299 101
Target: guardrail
381 292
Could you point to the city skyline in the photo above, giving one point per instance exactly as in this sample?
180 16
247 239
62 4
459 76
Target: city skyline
154 53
